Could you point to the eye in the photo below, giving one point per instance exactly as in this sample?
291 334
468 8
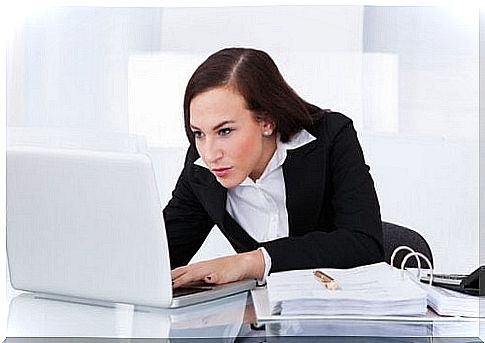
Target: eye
225 131
197 134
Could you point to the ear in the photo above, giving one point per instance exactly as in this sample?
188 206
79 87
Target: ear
267 126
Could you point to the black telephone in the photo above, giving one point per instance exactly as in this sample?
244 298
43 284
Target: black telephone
469 284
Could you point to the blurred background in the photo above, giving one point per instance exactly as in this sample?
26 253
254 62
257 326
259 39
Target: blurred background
113 79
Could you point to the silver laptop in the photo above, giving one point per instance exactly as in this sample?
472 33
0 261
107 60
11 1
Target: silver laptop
89 224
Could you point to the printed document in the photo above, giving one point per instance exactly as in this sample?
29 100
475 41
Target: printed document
372 290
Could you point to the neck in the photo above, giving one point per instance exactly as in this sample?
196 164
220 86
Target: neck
269 148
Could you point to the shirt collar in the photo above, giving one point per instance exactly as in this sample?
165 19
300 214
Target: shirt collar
300 139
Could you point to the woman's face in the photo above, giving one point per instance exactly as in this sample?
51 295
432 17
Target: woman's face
229 139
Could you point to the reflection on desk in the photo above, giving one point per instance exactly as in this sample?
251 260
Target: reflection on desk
351 328
34 315
373 328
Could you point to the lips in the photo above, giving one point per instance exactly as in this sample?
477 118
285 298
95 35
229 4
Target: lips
221 172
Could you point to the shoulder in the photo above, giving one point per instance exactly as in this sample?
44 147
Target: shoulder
193 172
328 124
191 156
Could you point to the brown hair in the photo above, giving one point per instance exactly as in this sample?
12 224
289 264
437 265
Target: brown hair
256 77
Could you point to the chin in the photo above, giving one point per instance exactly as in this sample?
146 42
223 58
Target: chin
229 182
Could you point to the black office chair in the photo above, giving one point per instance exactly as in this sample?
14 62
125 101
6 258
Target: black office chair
395 236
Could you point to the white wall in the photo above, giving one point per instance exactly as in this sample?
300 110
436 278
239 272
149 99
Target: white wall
438 125
67 66
284 28
407 76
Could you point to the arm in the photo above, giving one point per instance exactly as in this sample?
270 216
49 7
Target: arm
186 221
356 235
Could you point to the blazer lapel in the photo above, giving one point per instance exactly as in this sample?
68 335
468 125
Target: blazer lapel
304 173
213 197
211 193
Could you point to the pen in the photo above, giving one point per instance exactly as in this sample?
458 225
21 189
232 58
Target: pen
328 281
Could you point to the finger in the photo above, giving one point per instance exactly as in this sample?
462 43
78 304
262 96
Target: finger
181 281
189 275
177 272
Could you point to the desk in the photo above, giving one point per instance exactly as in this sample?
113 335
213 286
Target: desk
33 317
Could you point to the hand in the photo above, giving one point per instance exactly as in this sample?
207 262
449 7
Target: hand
221 270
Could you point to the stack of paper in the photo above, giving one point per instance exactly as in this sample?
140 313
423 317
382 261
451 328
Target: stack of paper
372 290
450 303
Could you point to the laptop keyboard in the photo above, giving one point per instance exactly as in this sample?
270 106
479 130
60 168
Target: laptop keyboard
178 292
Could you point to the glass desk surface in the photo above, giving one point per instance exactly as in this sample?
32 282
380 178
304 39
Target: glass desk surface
35 317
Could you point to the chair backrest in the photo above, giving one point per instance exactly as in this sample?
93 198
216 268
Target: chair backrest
395 236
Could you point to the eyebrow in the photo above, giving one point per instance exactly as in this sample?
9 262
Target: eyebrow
218 126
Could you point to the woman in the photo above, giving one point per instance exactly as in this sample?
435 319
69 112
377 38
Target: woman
285 181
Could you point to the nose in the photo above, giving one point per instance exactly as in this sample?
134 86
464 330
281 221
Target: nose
212 152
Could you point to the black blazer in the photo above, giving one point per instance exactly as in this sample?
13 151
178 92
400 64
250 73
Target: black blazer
333 212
